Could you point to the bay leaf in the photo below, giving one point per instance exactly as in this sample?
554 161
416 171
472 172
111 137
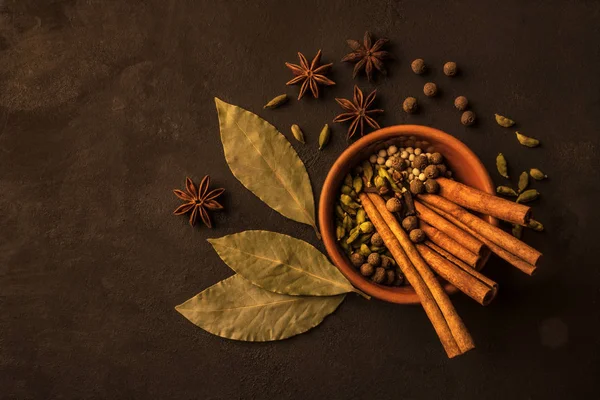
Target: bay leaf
236 309
280 263
263 160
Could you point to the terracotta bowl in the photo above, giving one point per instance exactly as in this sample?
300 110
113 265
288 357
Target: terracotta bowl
463 163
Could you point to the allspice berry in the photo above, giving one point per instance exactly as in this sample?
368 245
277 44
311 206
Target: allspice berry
399 280
431 186
417 235
436 158
461 103
357 259
418 66
442 169
393 205
386 262
410 105
410 223
367 270
417 187
390 277
397 163
431 171
379 276
376 240
420 161
450 68
374 259
430 89
467 118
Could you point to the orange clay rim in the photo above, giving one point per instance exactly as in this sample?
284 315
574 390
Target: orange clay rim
348 159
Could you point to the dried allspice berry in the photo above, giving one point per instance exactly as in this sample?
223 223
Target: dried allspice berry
410 105
467 118
367 269
374 259
418 66
436 158
376 240
430 89
432 186
528 195
417 235
506 191
393 205
420 161
503 121
379 275
357 259
527 141
461 103
277 101
523 181
298 134
417 187
390 277
431 171
501 165
410 223
537 174
450 68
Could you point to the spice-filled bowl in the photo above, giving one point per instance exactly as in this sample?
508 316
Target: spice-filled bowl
464 165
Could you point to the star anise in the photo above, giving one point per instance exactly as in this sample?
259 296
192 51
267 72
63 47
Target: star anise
358 111
310 75
198 200
367 56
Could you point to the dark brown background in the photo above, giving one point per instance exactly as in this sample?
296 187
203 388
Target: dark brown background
105 106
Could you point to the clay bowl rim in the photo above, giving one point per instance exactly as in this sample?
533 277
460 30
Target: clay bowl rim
399 295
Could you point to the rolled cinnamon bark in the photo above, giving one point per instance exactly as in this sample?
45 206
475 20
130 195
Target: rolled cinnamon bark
467 283
499 251
459 331
450 245
485 203
488 231
428 302
461 265
468 241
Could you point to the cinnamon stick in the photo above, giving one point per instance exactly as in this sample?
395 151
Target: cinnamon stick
488 231
499 251
468 241
428 302
463 280
485 203
450 245
459 331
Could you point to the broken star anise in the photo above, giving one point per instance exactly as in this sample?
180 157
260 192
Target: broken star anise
358 111
367 56
198 200
310 75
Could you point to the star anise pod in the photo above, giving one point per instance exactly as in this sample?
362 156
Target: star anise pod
358 111
367 55
310 75
198 200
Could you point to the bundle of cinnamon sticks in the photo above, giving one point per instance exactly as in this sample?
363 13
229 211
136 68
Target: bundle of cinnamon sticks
457 243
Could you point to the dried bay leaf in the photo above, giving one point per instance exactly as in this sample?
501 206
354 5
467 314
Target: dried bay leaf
236 309
263 160
281 264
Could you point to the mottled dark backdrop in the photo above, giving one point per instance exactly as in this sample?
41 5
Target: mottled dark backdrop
105 106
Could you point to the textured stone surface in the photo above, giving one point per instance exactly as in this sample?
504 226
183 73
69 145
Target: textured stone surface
105 106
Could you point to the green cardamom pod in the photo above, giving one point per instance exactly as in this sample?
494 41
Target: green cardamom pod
298 134
535 225
366 227
349 201
503 121
380 182
505 190
364 250
345 247
527 141
523 181
348 210
537 174
340 232
367 172
339 212
517 231
277 101
528 195
324 137
348 223
385 174
346 189
353 235
502 165
361 216
364 238
348 180
357 184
